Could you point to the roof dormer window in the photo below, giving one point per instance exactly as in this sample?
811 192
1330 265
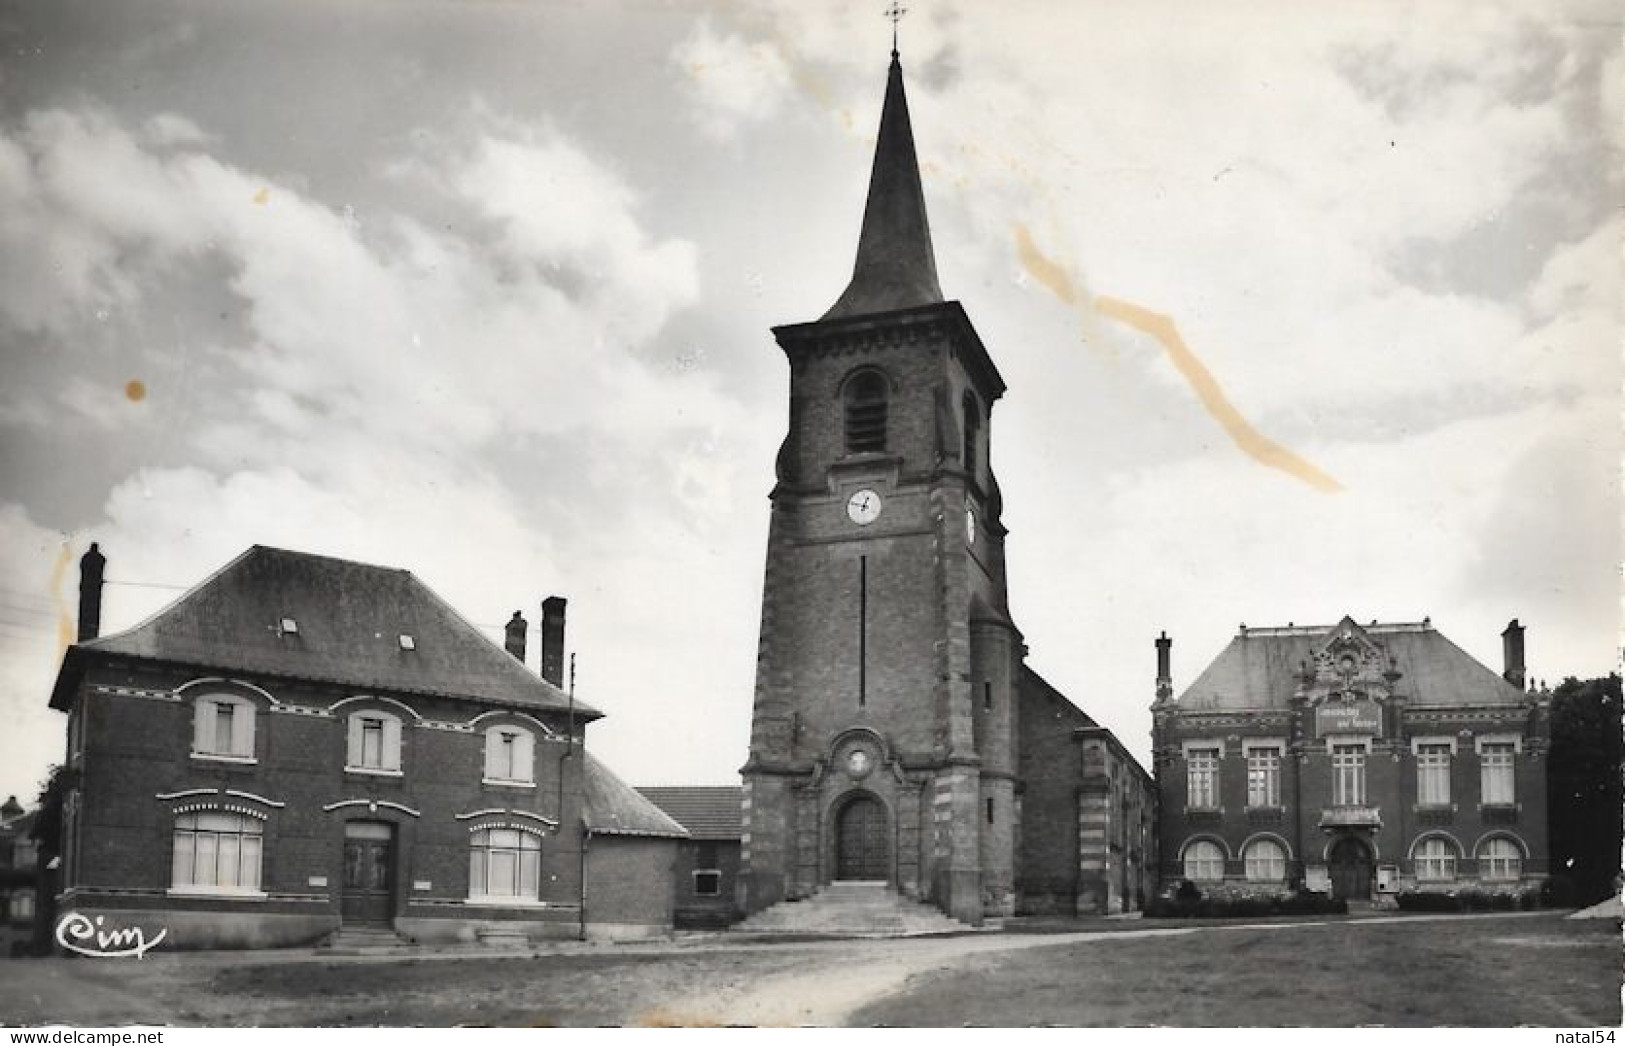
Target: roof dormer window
407 642
290 627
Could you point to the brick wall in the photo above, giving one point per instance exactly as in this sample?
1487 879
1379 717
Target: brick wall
138 746
629 886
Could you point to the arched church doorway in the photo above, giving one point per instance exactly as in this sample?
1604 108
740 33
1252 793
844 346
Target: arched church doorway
862 849
1350 866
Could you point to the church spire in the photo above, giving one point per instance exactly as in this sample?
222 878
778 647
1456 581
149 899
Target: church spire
896 267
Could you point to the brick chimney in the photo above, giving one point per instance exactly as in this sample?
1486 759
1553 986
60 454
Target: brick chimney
1165 678
553 640
1512 654
514 640
91 565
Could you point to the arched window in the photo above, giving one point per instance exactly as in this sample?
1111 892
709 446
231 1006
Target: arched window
217 851
510 755
865 401
505 864
1266 861
1499 858
1204 861
374 742
223 727
972 429
1436 859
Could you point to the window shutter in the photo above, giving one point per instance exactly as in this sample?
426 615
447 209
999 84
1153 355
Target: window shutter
352 755
242 729
493 749
203 725
524 756
392 743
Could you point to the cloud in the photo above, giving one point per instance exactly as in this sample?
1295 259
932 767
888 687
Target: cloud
732 84
465 383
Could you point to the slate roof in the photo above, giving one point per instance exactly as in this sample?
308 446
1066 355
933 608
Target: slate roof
896 267
613 807
1260 666
349 617
1061 707
708 812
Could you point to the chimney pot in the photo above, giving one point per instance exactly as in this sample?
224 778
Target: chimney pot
1165 681
553 640
514 639
91 566
1512 654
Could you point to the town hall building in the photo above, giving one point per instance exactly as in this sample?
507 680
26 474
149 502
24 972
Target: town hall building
1364 761
897 735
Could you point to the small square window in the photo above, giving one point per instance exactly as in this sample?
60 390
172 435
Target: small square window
290 627
708 884
407 642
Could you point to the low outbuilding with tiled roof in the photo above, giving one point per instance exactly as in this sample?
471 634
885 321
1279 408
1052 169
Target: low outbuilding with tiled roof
705 877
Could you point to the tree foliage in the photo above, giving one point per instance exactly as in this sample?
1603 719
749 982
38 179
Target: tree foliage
1584 785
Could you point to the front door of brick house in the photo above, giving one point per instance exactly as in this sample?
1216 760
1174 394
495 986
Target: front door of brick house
369 873
861 850
1350 866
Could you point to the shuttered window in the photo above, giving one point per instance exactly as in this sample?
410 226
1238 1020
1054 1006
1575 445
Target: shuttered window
510 755
223 726
865 403
374 742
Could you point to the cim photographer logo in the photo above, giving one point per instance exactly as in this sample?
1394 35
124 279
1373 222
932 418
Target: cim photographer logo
77 933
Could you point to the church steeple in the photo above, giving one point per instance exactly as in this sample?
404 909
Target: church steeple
896 267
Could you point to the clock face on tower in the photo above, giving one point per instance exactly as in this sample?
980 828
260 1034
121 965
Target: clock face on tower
863 507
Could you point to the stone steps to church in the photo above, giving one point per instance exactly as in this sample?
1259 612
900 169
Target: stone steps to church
851 908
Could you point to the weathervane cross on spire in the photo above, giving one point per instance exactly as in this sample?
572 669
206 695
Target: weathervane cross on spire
895 11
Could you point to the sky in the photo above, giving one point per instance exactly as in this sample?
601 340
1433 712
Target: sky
1305 311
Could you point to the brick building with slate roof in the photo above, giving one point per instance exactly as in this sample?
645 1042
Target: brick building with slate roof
706 874
1364 761
301 743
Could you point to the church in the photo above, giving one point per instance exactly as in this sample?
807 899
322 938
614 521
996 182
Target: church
897 735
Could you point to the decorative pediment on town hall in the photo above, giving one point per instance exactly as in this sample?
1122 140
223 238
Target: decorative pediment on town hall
1351 665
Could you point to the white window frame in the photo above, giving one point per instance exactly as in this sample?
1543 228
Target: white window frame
1433 768
387 725
1271 773
206 739
1202 778
1498 756
1497 869
711 874
22 906
511 763
1349 790
1260 870
1435 867
523 846
189 831
1202 864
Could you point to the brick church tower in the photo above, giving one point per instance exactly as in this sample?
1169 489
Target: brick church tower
884 732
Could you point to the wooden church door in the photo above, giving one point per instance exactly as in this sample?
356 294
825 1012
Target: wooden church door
861 850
